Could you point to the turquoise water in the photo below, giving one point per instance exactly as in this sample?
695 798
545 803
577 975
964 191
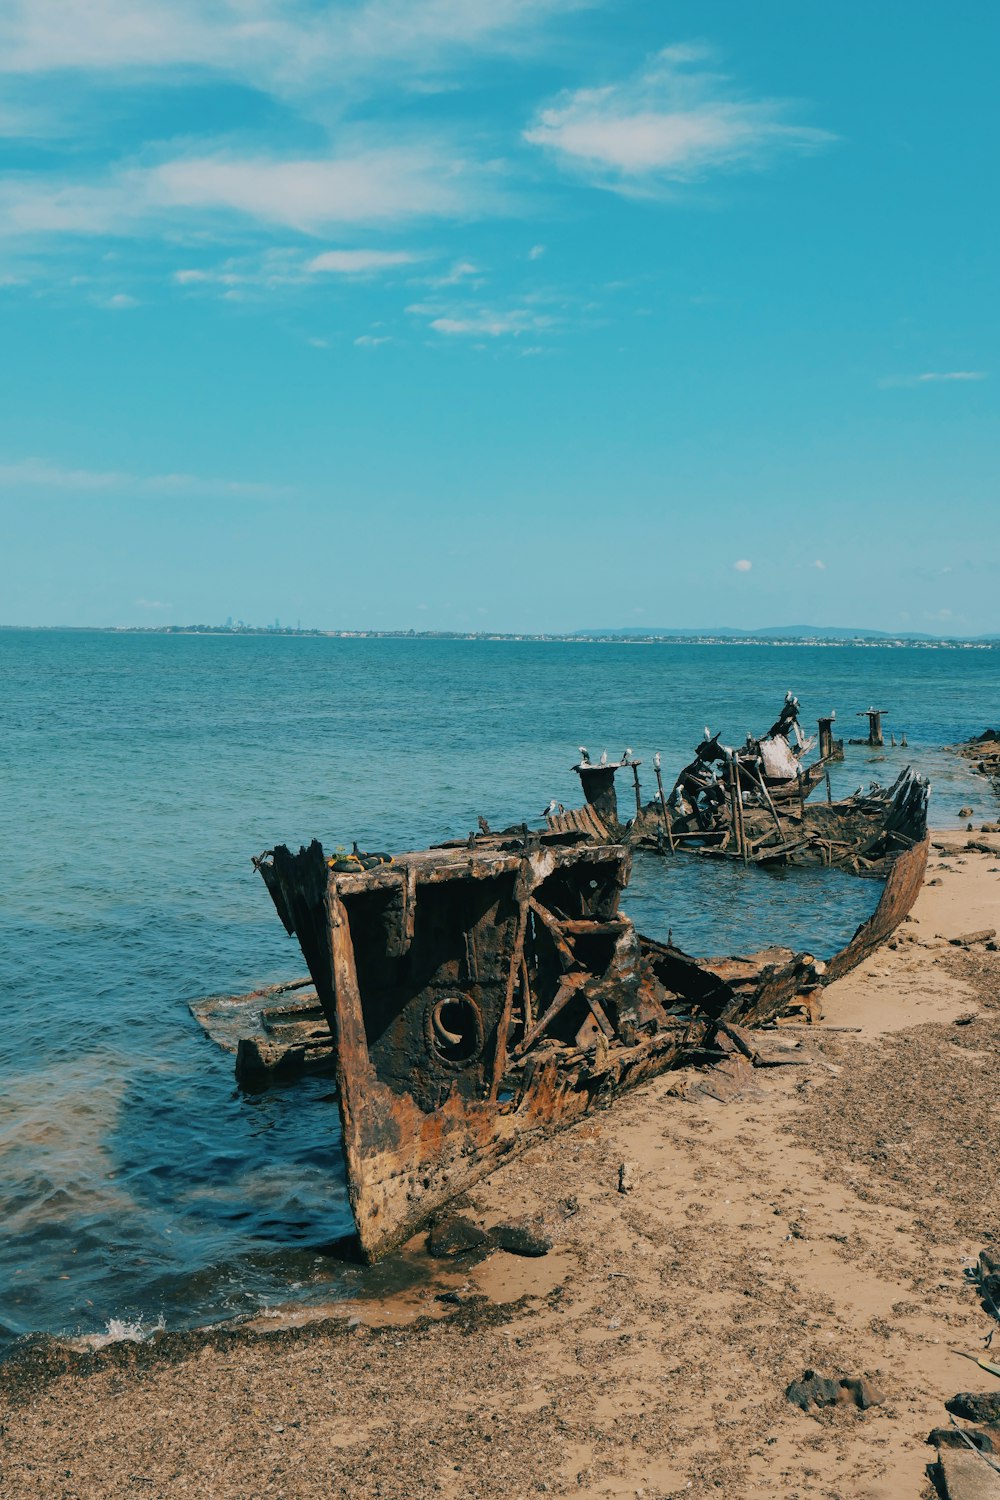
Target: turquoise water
141 772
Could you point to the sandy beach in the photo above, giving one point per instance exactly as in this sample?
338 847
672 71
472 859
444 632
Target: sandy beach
824 1218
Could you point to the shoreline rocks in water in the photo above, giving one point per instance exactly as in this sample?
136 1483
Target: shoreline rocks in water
984 752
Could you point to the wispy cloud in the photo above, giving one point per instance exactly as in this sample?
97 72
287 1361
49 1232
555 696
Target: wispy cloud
743 565
272 43
38 473
672 122
281 269
374 185
932 377
372 340
462 271
472 321
360 262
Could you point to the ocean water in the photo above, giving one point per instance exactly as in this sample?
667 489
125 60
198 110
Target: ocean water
139 775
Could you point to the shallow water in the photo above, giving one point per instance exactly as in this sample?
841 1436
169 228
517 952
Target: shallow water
139 775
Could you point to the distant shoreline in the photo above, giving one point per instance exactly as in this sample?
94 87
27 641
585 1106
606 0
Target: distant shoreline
609 638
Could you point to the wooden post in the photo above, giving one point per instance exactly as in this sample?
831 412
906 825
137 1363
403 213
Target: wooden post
663 807
874 717
736 806
802 796
829 794
514 973
770 803
638 792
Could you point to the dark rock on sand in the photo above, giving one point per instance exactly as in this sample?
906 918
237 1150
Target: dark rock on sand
975 1406
832 1390
455 1236
951 1437
521 1238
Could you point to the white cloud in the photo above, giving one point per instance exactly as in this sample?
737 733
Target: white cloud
484 322
671 122
152 604
275 44
820 565
120 302
373 185
281 268
360 262
932 377
743 565
461 271
536 252
378 185
372 341
954 375
38 473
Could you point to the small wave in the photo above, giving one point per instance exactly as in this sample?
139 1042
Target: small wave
121 1331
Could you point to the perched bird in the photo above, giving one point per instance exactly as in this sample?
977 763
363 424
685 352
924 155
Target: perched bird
627 756
656 760
584 756
604 757
552 808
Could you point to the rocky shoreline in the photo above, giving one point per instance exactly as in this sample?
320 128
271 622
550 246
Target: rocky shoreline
984 752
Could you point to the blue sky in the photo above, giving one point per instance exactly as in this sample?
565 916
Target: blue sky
499 314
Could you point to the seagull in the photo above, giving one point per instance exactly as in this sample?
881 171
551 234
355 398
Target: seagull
708 733
604 757
551 810
628 755
656 760
584 756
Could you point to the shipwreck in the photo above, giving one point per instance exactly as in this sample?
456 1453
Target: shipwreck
475 997
751 803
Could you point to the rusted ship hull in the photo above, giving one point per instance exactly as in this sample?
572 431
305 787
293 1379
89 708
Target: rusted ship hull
481 998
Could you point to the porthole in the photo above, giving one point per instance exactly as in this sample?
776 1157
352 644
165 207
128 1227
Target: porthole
454 1028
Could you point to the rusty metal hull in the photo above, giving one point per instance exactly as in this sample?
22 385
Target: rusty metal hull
478 998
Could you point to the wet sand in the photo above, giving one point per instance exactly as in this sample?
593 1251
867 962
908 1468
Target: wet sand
823 1219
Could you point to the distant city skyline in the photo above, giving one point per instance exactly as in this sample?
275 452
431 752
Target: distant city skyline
482 316
775 636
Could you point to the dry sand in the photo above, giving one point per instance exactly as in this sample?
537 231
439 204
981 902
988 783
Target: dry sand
825 1220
